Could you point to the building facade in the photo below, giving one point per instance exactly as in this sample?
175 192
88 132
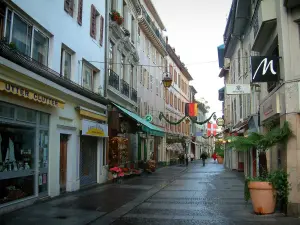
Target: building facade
271 30
53 117
176 98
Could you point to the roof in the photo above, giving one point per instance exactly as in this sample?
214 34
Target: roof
193 89
155 14
178 63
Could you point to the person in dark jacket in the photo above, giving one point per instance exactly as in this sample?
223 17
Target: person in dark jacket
203 156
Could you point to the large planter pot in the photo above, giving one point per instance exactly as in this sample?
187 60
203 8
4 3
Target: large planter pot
220 160
262 196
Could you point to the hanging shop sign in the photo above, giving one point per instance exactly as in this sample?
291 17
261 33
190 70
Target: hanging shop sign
31 95
92 128
270 107
264 68
238 89
148 118
220 122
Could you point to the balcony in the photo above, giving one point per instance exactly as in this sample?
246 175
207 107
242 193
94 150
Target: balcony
124 88
152 32
133 95
290 4
113 80
40 69
264 22
121 86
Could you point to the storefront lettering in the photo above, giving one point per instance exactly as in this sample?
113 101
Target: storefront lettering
17 90
29 94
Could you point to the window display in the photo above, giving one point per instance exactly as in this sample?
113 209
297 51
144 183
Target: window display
43 161
24 141
16 162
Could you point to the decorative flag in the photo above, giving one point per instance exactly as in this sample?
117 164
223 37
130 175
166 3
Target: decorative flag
211 129
191 109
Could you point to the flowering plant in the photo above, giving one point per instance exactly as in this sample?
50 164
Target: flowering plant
115 16
117 171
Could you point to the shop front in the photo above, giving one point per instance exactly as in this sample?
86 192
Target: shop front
132 138
92 151
24 142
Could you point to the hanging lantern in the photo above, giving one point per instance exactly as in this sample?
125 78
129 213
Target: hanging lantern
214 117
167 81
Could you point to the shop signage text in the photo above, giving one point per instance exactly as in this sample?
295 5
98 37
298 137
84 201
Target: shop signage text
23 92
92 128
270 107
238 89
264 68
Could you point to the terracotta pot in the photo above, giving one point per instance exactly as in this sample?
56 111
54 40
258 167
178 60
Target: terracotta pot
262 196
220 160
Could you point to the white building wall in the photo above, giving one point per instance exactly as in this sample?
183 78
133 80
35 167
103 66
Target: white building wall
64 29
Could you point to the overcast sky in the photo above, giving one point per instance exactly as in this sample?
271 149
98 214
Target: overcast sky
195 28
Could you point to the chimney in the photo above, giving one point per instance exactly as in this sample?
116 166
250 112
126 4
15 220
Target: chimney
167 40
178 56
173 49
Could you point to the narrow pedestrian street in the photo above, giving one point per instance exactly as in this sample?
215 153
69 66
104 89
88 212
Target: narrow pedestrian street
172 195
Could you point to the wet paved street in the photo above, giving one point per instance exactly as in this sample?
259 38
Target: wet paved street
172 195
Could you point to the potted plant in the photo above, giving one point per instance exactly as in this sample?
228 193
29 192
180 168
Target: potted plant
267 188
220 153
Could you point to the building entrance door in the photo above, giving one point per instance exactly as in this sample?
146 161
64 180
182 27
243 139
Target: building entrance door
63 162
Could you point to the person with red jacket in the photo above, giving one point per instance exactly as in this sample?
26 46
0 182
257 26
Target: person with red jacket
214 156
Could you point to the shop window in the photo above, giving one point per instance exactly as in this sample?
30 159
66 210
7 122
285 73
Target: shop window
7 111
44 119
23 35
43 160
17 167
26 115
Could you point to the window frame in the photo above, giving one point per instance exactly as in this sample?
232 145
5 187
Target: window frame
85 65
62 63
28 23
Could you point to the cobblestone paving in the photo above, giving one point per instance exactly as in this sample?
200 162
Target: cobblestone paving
174 195
206 195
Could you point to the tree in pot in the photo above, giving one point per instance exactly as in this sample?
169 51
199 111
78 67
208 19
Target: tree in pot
220 152
265 189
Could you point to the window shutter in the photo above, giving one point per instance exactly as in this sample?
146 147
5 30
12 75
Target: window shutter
68 6
93 22
101 30
79 17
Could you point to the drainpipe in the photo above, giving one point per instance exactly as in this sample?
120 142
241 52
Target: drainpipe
106 48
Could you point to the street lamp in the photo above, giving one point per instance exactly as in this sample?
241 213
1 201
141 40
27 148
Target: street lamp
167 80
214 117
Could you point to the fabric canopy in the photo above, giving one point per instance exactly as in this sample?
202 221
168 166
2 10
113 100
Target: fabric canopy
146 126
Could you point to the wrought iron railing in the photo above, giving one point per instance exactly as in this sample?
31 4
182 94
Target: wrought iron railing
124 88
12 54
133 95
153 26
113 80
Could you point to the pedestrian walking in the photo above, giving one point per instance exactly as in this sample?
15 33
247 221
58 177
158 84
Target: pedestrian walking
214 156
192 157
186 156
203 156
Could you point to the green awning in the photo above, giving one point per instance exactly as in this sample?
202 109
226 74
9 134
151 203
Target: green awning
146 126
